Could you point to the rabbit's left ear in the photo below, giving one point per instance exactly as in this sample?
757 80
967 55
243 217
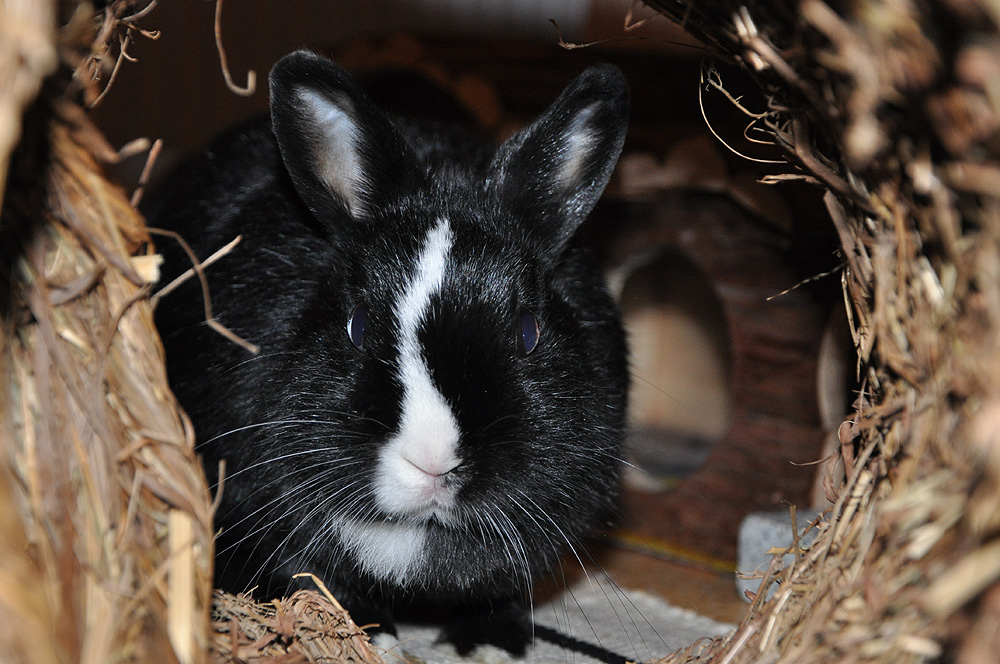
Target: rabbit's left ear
342 153
552 172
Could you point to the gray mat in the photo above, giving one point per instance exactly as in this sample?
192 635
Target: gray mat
636 625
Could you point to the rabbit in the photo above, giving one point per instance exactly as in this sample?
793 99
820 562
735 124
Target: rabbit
437 409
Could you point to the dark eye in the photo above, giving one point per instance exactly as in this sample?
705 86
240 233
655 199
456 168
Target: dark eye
528 336
356 323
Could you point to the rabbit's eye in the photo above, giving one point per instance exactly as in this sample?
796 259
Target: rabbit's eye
528 335
356 323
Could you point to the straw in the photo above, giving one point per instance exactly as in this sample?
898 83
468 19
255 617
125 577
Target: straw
894 109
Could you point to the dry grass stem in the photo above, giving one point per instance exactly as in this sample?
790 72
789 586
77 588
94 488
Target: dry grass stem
867 100
96 455
251 85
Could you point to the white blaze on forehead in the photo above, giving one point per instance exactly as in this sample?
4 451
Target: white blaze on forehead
416 299
425 445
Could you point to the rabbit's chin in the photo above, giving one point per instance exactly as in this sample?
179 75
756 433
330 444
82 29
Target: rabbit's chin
390 551
420 554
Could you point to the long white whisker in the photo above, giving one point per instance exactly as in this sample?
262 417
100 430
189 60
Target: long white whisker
271 423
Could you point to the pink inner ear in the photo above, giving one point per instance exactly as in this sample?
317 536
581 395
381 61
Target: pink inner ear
580 142
335 157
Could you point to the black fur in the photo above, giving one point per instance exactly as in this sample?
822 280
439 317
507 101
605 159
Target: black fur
327 224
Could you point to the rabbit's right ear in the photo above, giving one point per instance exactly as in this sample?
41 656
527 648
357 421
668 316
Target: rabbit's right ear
341 151
555 169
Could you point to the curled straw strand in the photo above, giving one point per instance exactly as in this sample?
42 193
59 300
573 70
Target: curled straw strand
251 85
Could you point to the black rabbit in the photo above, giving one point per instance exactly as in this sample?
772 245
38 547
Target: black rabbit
438 406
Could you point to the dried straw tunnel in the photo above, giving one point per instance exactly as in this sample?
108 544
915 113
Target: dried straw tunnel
892 107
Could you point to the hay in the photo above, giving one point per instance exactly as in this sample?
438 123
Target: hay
106 536
115 530
105 516
306 627
27 56
97 459
894 108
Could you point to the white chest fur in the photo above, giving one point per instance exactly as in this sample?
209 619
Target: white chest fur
387 551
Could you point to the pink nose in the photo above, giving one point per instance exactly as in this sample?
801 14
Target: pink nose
434 467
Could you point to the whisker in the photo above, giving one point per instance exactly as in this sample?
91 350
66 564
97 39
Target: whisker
300 488
623 598
289 422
